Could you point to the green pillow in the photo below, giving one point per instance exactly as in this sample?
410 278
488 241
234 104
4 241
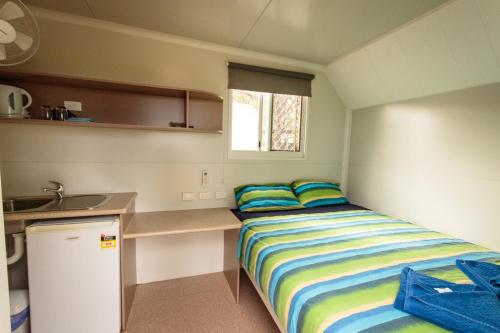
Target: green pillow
318 193
259 198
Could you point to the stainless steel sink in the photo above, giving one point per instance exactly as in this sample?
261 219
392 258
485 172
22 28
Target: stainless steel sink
25 204
71 202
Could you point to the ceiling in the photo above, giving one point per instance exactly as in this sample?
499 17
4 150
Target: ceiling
318 31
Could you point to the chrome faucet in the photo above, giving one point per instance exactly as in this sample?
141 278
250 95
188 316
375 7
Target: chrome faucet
59 190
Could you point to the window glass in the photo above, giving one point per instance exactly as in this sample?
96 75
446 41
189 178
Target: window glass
246 107
287 115
266 122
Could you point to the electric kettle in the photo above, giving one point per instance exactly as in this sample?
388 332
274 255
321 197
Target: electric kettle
12 102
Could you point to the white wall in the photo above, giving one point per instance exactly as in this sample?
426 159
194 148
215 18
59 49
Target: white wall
434 161
4 284
157 165
454 47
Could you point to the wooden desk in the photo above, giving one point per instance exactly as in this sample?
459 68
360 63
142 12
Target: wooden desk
180 222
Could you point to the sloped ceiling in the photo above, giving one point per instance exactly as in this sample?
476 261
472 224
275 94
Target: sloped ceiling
455 47
312 30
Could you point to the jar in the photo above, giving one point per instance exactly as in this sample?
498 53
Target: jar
61 113
46 112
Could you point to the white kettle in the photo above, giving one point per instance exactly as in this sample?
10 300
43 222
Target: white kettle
11 102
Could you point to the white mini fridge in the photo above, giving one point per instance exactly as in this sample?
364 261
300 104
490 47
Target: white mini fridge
74 275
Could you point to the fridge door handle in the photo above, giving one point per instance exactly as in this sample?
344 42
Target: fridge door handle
72 238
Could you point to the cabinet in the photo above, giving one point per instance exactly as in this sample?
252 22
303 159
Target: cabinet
119 105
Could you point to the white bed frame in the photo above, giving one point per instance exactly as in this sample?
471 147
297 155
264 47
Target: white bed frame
266 302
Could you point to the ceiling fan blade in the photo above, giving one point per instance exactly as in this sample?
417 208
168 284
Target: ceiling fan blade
3 55
23 41
11 11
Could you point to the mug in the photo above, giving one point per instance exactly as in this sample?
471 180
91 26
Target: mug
12 102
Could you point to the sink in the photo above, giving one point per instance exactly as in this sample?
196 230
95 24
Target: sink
25 204
71 202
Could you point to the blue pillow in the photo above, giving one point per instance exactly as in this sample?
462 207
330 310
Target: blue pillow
317 193
267 197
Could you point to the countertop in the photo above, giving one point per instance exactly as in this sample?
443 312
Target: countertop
117 205
180 222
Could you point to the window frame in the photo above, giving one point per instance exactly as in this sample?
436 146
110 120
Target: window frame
271 154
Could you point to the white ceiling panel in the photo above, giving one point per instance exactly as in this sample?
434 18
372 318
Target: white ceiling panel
77 7
356 81
323 30
490 13
311 30
431 62
450 49
469 43
220 21
391 66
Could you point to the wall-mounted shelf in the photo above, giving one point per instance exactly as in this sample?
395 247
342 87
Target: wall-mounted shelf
105 125
118 104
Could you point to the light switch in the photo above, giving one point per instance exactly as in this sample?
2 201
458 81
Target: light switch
205 195
188 196
204 177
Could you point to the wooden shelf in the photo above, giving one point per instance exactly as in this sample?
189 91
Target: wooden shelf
70 81
180 222
119 104
104 125
196 94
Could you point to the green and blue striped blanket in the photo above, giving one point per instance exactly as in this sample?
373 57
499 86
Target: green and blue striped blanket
339 271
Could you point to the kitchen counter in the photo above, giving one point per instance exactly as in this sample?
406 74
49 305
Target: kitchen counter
118 204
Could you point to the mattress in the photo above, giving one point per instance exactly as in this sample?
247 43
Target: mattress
336 269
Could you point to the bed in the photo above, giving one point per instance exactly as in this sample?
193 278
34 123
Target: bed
336 268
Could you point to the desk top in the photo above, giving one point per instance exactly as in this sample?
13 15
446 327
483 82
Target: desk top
180 222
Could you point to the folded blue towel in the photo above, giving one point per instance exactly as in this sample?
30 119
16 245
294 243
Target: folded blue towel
81 119
433 285
486 275
452 306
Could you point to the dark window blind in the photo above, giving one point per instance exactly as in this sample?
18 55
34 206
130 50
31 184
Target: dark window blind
263 79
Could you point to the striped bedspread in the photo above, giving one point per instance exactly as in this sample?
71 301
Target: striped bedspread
339 271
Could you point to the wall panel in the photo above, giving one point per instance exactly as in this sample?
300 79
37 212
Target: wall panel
356 80
469 43
433 161
157 165
455 47
490 14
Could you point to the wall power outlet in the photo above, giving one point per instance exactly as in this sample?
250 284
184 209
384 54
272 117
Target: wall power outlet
205 195
220 195
73 105
186 196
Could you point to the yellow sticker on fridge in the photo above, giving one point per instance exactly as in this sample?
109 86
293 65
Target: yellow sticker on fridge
108 241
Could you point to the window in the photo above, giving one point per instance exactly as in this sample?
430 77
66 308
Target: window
268 112
266 122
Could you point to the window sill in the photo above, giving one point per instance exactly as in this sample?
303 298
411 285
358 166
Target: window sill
266 155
